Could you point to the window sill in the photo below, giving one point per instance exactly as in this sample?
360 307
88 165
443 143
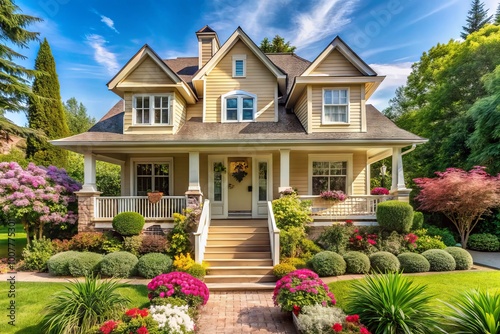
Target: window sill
235 122
336 123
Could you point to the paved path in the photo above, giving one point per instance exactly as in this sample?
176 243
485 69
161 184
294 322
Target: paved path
489 259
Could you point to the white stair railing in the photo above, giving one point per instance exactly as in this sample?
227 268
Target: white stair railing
201 235
274 234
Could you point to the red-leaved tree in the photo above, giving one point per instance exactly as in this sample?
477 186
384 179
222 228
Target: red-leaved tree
464 197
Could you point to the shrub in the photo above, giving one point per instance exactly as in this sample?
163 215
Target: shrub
379 191
357 262
363 239
178 237
290 211
58 264
61 245
391 303
463 259
87 242
153 244
179 284
118 264
384 262
283 269
37 254
319 319
135 320
335 238
484 242
295 261
132 244
84 264
153 264
300 288
474 312
183 262
290 240
440 260
128 223
328 264
111 243
445 234
413 263
418 220
392 244
426 242
395 216
197 270
83 305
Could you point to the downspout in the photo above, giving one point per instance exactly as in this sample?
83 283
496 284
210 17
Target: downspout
411 149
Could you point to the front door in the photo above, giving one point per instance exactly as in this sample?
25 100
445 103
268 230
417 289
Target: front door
240 189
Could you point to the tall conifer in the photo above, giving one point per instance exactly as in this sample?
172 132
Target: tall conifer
477 17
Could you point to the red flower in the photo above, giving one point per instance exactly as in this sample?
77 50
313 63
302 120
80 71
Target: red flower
363 330
296 310
142 330
337 327
108 327
348 222
371 242
359 237
134 312
352 318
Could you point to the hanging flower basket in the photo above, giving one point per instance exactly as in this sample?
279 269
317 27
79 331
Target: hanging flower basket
155 196
333 195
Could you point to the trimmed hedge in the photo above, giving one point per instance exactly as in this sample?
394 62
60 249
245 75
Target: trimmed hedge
153 264
395 216
413 263
439 260
484 242
84 264
384 262
128 223
328 263
118 264
357 262
58 264
462 257
418 220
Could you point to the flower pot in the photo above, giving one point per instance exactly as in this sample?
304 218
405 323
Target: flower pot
155 197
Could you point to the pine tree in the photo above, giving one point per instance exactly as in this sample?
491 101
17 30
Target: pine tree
497 15
477 17
76 115
47 113
14 84
277 45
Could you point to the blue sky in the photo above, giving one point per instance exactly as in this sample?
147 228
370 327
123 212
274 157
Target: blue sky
91 40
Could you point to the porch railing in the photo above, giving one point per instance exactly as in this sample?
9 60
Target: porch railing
359 205
274 234
108 207
201 235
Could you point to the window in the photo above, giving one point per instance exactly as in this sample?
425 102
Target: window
238 106
335 106
329 175
152 109
239 66
262 181
153 177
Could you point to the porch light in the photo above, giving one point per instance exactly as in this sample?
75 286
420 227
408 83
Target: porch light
383 170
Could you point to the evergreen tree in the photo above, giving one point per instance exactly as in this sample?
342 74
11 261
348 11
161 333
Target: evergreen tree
47 113
78 119
14 85
497 15
277 45
477 17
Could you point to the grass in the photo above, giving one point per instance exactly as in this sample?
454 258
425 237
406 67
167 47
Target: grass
19 239
31 299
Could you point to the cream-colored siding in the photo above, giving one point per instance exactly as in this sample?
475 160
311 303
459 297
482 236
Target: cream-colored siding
178 112
354 110
206 50
359 173
335 64
195 110
298 172
259 81
127 117
148 72
301 110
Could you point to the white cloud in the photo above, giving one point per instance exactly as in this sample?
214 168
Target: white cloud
101 54
432 12
109 22
396 75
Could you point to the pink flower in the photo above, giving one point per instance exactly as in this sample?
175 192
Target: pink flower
352 318
363 330
142 330
337 327
371 242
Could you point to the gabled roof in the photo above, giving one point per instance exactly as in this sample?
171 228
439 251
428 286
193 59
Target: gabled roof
205 29
347 52
238 35
146 51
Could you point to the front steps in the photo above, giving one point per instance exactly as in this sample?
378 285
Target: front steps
239 251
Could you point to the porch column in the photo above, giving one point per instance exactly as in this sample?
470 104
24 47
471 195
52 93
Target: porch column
284 169
194 194
89 184
86 205
398 188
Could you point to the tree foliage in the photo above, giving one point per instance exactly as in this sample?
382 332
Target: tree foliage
477 17
497 15
47 113
78 119
14 83
277 45
464 197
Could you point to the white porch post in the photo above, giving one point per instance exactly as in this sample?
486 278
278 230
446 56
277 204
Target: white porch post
284 169
86 196
398 187
89 183
194 194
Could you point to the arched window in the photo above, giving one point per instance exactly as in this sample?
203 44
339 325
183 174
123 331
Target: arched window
238 106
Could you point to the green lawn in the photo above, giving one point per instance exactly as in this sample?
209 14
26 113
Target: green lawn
19 239
31 299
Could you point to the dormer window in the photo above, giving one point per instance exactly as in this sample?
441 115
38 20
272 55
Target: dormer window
335 105
239 66
152 109
238 106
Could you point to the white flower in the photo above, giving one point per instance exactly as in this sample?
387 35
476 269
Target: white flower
173 319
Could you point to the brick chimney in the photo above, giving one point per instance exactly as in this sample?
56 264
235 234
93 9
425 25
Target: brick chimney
208 45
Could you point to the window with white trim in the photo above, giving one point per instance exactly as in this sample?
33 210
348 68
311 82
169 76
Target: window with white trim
329 175
335 106
238 106
239 66
153 177
152 109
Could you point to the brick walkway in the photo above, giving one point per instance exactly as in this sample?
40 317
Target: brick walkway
235 312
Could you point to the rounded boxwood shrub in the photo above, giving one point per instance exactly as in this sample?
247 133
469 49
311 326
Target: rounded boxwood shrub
328 263
58 264
463 259
357 262
439 260
84 264
283 269
384 262
413 263
153 264
418 220
395 216
118 264
128 223
484 242
197 270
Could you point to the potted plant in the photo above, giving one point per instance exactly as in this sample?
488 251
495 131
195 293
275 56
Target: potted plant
154 196
219 167
333 195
